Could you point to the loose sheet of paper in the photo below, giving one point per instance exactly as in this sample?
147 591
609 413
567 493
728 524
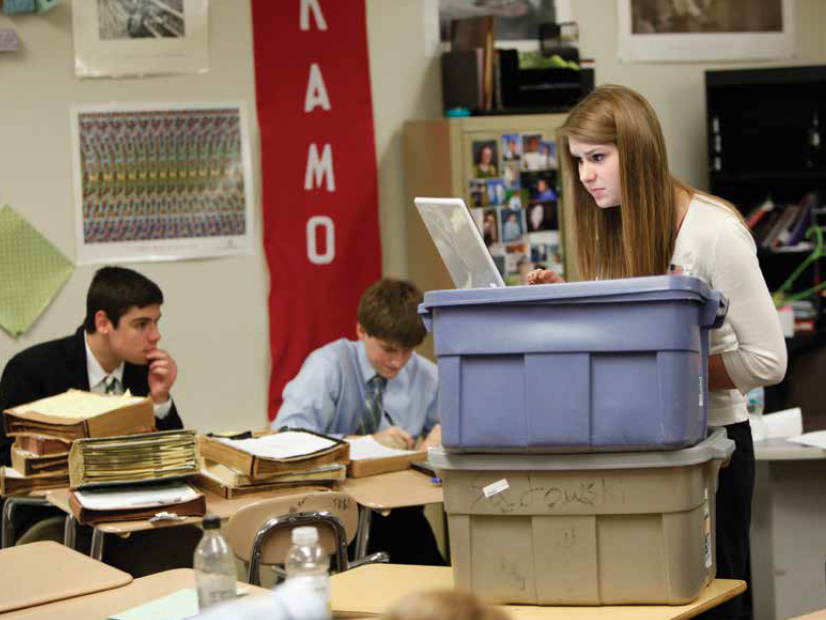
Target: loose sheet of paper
282 445
76 404
815 439
136 496
368 448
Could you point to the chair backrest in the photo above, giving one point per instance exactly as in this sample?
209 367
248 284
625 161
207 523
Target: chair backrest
245 524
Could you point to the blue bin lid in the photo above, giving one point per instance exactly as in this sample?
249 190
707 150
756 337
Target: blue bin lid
626 289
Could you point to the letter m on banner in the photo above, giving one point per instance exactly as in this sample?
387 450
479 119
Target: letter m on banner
319 178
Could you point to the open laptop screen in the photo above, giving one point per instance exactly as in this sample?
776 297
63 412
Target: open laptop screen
459 242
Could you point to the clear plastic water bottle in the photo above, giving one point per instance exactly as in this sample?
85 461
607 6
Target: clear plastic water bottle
214 566
307 561
756 401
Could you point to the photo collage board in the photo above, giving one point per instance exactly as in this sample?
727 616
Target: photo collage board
513 197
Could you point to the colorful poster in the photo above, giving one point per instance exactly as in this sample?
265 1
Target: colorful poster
154 182
319 173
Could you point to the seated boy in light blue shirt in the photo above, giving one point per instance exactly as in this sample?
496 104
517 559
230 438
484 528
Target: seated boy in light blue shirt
377 386
331 392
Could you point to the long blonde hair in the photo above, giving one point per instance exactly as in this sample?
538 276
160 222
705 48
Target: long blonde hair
637 238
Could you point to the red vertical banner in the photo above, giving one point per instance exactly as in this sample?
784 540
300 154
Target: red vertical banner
318 161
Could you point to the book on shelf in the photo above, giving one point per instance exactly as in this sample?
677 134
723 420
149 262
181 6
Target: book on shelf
13 482
128 459
42 445
226 482
754 216
283 452
779 233
77 414
28 464
368 458
471 33
91 506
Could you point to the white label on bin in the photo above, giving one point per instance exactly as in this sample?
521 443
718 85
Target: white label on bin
701 389
707 551
496 487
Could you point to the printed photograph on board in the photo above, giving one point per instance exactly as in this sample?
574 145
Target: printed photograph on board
485 159
141 19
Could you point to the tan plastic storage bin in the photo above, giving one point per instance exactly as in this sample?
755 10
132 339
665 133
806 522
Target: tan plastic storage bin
584 529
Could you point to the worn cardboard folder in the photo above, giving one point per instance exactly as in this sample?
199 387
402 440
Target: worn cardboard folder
47 571
43 445
128 459
284 452
91 506
369 458
29 464
226 482
13 482
76 414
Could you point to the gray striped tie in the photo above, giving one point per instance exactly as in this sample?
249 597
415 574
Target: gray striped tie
373 405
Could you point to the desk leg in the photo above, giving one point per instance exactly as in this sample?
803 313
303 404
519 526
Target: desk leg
8 528
70 532
97 544
363 534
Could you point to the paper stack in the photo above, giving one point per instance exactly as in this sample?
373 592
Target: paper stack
237 467
368 458
129 459
44 430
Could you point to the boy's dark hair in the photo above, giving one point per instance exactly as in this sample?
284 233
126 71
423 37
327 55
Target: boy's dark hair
388 310
115 290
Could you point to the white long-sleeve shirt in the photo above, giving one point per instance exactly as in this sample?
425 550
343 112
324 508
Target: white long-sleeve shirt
715 245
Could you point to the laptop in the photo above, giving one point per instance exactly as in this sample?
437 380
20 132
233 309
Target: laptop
459 242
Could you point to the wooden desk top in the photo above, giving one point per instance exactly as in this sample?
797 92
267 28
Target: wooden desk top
782 450
103 604
42 572
816 615
370 590
397 489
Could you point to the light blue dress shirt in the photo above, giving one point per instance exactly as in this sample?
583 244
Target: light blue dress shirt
327 396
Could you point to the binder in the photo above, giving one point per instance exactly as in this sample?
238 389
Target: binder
29 464
13 482
226 482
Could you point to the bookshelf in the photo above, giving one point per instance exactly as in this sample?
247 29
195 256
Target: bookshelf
765 143
442 159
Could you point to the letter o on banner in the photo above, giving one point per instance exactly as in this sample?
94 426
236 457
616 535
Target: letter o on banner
313 224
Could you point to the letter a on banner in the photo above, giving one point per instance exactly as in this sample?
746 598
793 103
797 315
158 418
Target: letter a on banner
319 175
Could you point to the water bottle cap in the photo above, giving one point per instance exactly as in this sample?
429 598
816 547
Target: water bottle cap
307 535
211 522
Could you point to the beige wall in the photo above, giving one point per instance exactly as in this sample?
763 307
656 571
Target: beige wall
215 320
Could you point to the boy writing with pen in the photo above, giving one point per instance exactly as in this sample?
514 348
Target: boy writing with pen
377 386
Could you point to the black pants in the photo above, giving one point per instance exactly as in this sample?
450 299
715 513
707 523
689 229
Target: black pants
406 535
733 510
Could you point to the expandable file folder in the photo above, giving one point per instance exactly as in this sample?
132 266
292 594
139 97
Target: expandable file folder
43 445
13 482
226 482
284 452
91 506
28 464
369 458
128 459
76 414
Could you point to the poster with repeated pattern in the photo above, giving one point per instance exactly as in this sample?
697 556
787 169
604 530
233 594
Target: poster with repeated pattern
155 182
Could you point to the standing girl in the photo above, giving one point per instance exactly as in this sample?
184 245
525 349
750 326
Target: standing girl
632 218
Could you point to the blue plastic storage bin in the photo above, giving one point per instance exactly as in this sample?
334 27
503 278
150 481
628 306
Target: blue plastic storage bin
577 367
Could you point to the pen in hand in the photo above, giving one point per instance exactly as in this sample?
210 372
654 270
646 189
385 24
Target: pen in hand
389 417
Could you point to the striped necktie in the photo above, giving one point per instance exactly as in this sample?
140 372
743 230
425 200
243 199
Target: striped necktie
373 405
112 385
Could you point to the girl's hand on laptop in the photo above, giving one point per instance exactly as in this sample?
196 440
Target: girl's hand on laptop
543 276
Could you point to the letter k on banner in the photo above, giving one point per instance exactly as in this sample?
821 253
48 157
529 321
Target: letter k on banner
318 161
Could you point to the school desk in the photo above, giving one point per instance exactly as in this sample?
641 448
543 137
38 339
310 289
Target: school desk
220 506
42 572
818 615
369 590
397 489
102 604
788 540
